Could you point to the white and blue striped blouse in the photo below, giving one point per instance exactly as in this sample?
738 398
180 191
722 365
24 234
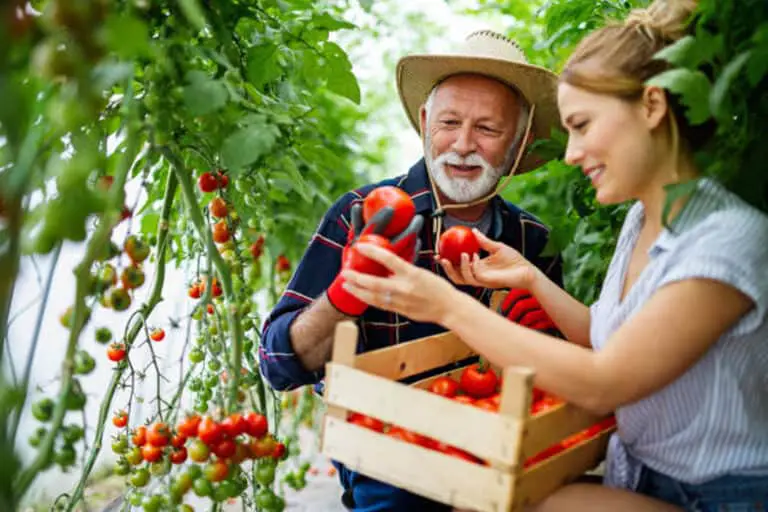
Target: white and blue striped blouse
713 420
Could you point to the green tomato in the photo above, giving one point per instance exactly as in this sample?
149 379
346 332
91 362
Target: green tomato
75 399
196 355
72 433
36 438
160 468
140 477
134 456
84 363
228 488
265 474
220 493
214 365
103 335
213 329
211 380
42 410
197 314
194 471
120 445
135 498
215 347
195 384
152 503
65 456
202 487
122 467
201 407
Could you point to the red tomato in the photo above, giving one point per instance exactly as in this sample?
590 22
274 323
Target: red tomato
444 386
140 436
455 452
496 399
256 247
157 334
256 424
410 437
179 456
209 431
221 232
455 241
279 451
151 453
195 292
364 265
233 425
224 449
188 427
116 352
159 434
538 394
464 399
178 440
399 200
218 207
364 421
262 447
207 182
478 381
120 419
488 404
546 403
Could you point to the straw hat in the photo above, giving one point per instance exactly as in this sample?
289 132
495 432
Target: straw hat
491 54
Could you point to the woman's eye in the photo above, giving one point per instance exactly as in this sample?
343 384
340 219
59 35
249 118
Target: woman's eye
580 126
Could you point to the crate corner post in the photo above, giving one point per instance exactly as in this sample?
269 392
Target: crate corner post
343 354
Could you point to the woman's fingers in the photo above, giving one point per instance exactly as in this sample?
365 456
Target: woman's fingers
466 270
451 271
387 258
486 243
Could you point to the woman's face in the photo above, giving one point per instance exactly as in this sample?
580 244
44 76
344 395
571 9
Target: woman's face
611 140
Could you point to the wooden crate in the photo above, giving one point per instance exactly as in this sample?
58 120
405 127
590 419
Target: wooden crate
367 384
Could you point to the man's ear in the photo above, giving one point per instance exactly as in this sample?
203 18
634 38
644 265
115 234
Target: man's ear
422 120
655 106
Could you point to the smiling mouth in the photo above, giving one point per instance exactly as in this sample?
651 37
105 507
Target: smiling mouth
464 168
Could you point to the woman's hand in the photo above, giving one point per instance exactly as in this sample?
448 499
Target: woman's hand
504 267
409 290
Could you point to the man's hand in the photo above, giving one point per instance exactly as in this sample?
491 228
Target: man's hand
405 245
521 307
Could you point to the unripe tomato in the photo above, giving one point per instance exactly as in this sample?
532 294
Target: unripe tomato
216 471
455 241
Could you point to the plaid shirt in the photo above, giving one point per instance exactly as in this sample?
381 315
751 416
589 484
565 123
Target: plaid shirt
378 329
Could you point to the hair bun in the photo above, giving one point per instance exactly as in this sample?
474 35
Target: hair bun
664 20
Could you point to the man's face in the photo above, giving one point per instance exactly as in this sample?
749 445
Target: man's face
468 133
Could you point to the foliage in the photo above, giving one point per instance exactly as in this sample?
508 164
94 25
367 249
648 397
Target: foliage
251 102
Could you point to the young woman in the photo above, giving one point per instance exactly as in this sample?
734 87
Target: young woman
677 344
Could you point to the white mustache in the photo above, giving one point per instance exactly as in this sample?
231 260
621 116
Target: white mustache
471 160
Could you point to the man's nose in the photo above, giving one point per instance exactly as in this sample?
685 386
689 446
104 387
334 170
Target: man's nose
465 142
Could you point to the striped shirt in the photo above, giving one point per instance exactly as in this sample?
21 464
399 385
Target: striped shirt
321 262
713 420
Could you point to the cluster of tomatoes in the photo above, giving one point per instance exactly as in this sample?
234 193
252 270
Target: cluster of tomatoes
215 448
479 386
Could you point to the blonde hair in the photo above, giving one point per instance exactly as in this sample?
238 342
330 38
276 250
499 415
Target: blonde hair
619 58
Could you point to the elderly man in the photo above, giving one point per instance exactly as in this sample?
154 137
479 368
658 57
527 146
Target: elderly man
476 110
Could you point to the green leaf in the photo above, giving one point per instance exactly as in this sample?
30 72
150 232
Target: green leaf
107 74
693 88
263 66
127 36
340 79
327 22
690 51
193 12
757 67
248 144
367 5
204 95
149 223
723 84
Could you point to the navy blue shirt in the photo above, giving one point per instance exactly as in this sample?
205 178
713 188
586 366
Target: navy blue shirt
378 329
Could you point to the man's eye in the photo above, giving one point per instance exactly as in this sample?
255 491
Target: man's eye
450 122
488 129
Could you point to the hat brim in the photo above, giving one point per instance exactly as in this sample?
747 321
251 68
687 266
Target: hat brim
418 74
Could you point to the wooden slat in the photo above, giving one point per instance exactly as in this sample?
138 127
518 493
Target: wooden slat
425 472
545 429
541 480
344 349
488 435
407 359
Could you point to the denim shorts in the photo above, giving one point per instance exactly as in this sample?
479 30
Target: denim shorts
732 493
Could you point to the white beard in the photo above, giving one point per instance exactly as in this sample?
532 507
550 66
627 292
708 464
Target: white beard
459 189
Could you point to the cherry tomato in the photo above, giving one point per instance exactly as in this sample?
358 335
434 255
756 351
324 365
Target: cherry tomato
221 232
198 451
282 264
263 447
207 182
159 434
478 381
409 436
398 200
116 352
455 241
256 424
132 277
456 452
140 477
444 386
195 292
179 455
488 404
257 247
178 440
120 419
464 399
222 179
279 451
139 436
218 207
234 425
209 431
366 422
216 471
136 248
151 453
188 427
224 449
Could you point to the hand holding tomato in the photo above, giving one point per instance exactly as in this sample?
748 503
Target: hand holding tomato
504 267
456 241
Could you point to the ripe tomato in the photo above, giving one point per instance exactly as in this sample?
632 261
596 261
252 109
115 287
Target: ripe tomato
398 200
279 451
546 403
256 247
151 453
224 448
216 471
409 436
478 381
209 431
139 436
538 394
120 419
198 451
188 427
263 447
256 424
116 352
464 399
178 440
455 241
356 261
366 422
195 291
488 404
221 232
218 207
157 334
207 182
222 179
179 456
159 434
444 386
282 264
456 452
